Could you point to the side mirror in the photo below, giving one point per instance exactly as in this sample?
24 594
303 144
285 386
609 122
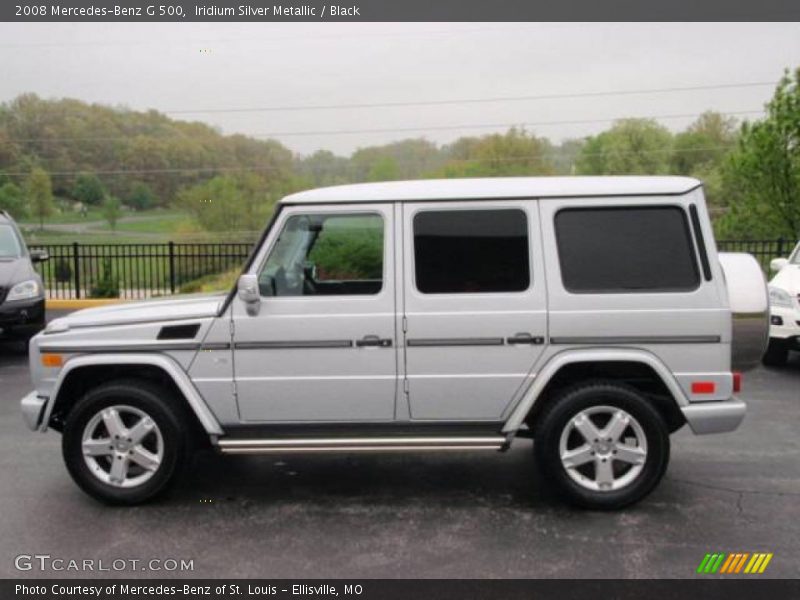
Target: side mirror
38 256
776 264
247 290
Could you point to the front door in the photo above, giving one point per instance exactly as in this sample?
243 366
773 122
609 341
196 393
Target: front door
322 346
475 306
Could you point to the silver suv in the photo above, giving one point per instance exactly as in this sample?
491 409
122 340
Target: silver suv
593 315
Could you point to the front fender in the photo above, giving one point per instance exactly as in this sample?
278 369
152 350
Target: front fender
161 361
568 357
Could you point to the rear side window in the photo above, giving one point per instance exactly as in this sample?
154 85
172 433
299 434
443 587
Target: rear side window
626 249
471 251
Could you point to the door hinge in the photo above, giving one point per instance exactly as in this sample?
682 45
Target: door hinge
405 324
405 386
232 326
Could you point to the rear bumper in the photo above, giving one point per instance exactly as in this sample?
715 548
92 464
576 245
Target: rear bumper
715 417
33 409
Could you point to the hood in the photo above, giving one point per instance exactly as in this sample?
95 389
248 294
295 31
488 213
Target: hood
193 306
13 270
788 279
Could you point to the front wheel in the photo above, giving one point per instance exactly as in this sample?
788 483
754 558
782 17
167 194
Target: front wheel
124 442
602 445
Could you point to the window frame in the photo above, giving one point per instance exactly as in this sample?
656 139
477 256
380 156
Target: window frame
328 213
466 208
687 230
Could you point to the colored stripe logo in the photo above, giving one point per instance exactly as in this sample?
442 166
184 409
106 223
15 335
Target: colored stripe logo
734 563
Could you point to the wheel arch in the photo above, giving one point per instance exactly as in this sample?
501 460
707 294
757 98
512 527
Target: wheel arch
104 367
618 362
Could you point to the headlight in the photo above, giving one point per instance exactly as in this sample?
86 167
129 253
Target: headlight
25 290
779 297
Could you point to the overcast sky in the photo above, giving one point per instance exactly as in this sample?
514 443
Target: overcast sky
193 66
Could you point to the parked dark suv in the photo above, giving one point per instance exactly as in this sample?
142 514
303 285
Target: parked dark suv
21 289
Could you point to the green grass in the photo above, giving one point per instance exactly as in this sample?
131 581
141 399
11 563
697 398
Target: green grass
66 217
164 223
151 226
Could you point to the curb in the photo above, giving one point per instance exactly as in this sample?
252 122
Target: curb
59 304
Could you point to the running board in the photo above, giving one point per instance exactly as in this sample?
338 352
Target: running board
374 444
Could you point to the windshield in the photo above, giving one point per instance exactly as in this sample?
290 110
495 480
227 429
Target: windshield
9 243
795 257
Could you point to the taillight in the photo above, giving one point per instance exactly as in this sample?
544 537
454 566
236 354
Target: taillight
737 382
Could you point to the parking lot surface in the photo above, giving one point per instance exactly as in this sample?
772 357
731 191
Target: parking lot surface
426 515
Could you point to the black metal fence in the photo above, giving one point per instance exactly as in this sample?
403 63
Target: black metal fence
144 270
763 250
134 270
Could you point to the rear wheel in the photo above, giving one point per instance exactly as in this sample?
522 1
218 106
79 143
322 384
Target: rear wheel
777 353
124 441
602 445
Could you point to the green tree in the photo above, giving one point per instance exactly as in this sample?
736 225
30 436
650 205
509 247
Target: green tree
89 190
39 191
704 144
230 203
112 210
761 178
515 152
384 169
630 147
140 197
12 200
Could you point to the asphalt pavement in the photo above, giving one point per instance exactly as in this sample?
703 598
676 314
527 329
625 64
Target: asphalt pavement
423 515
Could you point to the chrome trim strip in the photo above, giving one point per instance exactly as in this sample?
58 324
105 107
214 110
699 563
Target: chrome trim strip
289 344
357 441
307 449
638 339
351 444
429 342
215 346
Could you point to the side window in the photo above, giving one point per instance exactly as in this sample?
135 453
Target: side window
326 255
626 249
471 251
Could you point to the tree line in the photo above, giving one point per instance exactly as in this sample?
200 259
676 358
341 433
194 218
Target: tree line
67 153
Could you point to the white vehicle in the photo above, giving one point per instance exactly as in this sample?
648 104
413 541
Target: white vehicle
593 315
784 300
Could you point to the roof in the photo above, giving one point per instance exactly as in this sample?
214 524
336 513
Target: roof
496 188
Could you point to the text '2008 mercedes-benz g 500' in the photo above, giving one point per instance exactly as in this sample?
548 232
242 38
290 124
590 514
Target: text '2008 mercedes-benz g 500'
590 314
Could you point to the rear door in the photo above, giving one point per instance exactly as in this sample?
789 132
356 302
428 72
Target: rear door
475 317
627 272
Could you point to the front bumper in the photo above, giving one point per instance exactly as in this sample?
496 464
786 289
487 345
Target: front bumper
715 417
22 318
33 407
788 328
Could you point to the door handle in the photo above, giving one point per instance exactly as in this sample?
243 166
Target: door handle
525 338
373 341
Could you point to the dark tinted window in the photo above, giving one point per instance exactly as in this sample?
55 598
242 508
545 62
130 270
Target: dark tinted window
630 249
471 251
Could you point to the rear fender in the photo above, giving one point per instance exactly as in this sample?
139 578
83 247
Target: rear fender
593 355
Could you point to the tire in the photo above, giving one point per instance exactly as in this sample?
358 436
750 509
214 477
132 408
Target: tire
777 353
643 439
89 428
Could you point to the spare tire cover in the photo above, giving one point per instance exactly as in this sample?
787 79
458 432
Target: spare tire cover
749 302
